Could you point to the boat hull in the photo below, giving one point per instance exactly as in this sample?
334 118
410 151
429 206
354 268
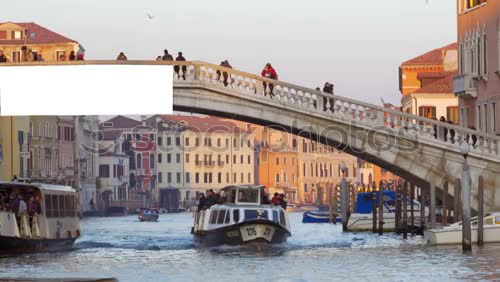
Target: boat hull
453 236
148 217
12 245
364 222
314 217
235 235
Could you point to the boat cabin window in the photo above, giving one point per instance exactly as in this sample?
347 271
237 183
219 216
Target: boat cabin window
497 220
489 221
255 214
248 196
60 206
236 216
221 216
227 220
213 217
275 217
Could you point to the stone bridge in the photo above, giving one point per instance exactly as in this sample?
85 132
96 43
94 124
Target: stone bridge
423 151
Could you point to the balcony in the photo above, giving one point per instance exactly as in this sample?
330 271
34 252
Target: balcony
465 86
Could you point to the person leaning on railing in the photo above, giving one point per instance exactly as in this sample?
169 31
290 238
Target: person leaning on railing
269 72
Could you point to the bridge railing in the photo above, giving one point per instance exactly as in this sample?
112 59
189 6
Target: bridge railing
317 102
333 106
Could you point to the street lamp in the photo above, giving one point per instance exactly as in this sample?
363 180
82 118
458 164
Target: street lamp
466 210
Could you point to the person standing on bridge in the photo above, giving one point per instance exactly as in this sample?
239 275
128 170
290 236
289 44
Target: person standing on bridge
121 57
269 72
167 56
225 64
328 88
178 68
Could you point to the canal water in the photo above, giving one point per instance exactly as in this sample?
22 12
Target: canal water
129 250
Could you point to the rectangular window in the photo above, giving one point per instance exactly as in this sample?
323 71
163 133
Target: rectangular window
494 117
427 111
234 177
205 177
485 118
305 188
169 177
187 158
197 141
304 169
160 177
169 141
159 158
104 171
169 158
227 159
234 159
177 141
249 159
186 141
479 117
249 178
210 179
242 178
188 177
241 159
219 177
218 142
485 56
452 114
227 177
160 141
178 158
277 161
178 177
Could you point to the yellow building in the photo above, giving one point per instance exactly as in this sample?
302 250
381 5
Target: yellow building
41 41
44 147
15 135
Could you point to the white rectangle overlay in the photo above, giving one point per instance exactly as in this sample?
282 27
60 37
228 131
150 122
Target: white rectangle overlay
86 90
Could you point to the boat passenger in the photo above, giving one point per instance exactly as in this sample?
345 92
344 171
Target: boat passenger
22 206
276 201
13 205
283 203
201 202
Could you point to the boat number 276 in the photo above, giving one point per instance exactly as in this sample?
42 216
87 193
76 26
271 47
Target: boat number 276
251 231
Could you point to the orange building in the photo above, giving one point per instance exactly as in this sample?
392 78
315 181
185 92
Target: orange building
16 39
279 172
436 61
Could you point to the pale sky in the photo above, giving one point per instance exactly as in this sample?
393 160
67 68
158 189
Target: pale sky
356 44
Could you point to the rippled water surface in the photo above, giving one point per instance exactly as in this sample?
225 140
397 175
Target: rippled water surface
133 251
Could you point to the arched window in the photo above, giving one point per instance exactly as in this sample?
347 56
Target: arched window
139 161
362 179
370 180
277 177
294 143
152 161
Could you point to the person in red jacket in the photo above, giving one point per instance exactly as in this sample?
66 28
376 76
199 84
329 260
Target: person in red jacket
269 72
276 201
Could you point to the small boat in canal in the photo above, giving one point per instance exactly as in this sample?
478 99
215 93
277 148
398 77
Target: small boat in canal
146 214
452 235
362 218
43 218
321 215
242 218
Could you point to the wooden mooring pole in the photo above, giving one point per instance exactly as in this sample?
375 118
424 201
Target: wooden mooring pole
344 202
374 207
432 205
412 209
397 216
457 202
466 209
480 211
444 209
335 203
381 209
404 202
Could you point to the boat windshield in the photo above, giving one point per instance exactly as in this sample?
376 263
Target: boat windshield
248 196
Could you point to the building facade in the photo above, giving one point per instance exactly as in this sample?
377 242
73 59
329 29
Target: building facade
426 84
15 140
44 148
17 39
477 84
66 149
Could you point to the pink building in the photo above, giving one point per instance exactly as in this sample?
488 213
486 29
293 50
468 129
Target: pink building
478 83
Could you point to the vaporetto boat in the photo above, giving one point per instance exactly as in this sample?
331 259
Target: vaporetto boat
451 235
242 218
55 227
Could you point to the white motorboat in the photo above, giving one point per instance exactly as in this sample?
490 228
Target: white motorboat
451 235
242 218
362 219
